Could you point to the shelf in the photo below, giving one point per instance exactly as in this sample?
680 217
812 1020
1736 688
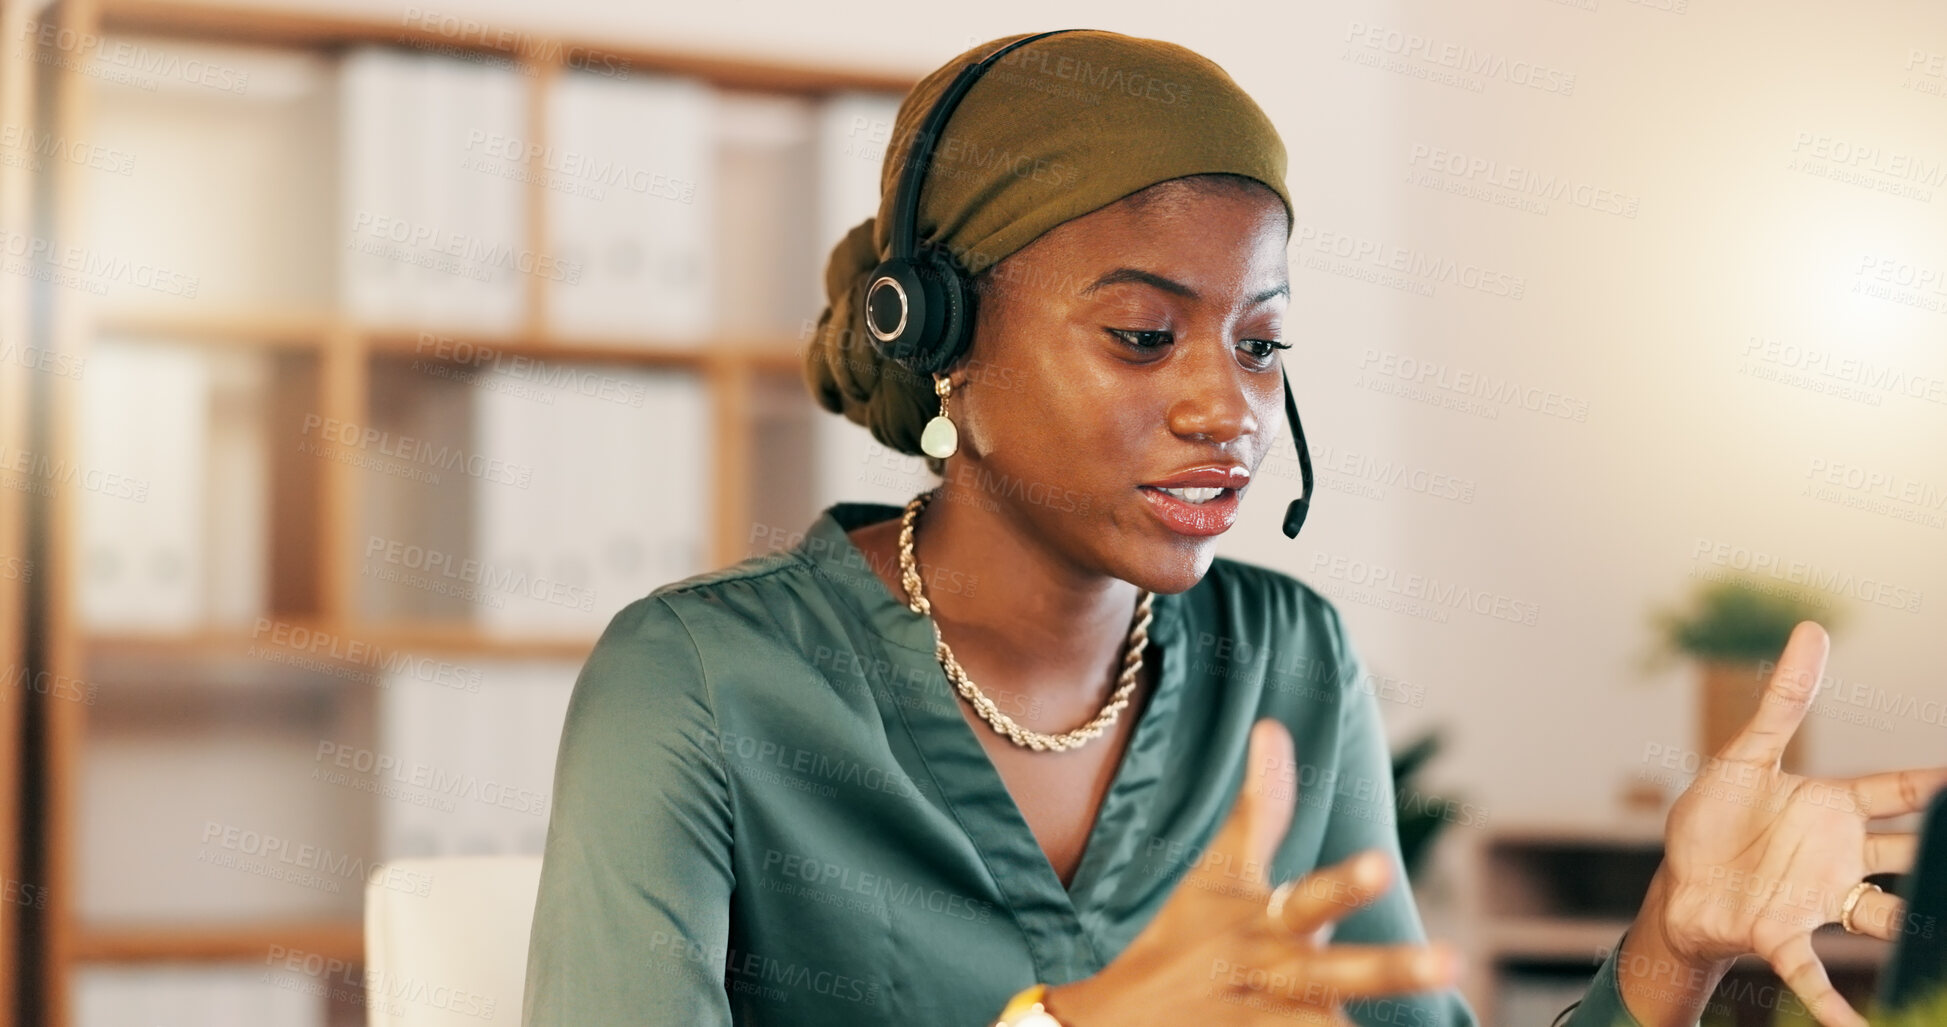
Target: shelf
1576 941
1640 831
331 939
348 644
255 24
464 349
185 703
297 330
266 329
1550 939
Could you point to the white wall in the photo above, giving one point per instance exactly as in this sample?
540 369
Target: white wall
1696 114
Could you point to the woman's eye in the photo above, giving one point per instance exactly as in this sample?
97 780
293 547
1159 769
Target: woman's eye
1141 339
1270 346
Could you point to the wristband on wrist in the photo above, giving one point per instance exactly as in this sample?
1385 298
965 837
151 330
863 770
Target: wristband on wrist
1024 1010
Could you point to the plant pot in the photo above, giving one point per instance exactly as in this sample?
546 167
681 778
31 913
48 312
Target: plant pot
1728 699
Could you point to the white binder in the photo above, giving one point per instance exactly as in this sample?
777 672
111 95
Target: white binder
432 207
376 152
618 501
629 208
141 483
477 767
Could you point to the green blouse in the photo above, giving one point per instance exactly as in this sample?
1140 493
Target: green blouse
768 809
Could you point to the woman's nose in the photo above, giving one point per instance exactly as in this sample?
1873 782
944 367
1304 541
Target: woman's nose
1213 395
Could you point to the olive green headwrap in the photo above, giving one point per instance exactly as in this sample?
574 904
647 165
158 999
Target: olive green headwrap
1053 130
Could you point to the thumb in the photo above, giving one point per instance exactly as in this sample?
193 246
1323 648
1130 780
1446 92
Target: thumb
1262 812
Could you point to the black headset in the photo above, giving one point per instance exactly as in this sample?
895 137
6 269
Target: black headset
918 307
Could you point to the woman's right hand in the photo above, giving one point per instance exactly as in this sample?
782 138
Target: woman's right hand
1213 955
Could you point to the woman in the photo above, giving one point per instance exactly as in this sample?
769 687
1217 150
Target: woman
845 783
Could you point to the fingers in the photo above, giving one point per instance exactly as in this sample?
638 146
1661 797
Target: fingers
1259 816
1899 792
1357 971
1891 853
1273 783
1879 914
1799 967
1328 894
1786 698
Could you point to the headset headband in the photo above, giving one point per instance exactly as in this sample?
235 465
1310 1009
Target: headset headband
919 158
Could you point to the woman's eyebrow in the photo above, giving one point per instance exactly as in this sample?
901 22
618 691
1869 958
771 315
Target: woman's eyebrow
1122 275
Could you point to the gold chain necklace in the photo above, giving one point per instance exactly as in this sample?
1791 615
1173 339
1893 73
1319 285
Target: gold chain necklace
1132 660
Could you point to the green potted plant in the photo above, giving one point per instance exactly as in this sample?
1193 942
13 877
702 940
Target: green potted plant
1734 629
1420 816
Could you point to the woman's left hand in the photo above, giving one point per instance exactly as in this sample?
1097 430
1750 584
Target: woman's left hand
1756 858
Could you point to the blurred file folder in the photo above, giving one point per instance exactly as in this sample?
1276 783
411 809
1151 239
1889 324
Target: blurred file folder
472 771
631 184
616 502
432 202
143 485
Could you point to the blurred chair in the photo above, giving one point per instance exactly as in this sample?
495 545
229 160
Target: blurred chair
446 940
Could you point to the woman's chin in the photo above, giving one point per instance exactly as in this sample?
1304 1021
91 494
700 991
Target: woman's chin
1175 567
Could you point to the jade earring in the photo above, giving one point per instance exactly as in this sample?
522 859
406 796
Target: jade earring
941 438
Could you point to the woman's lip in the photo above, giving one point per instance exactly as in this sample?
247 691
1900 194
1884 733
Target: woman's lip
1197 519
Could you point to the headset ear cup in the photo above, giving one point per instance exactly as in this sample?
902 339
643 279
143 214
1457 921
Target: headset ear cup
898 309
952 316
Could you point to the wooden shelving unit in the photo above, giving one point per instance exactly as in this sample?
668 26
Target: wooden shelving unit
16 184
323 362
